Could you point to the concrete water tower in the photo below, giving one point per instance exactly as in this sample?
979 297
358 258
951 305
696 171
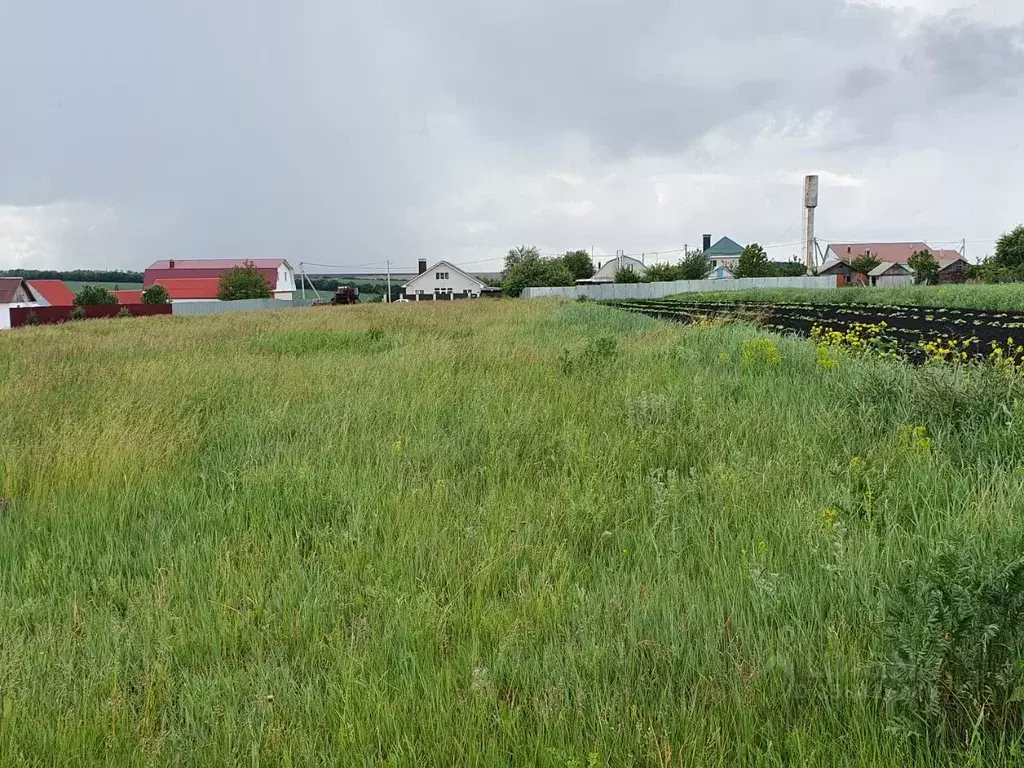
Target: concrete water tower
810 203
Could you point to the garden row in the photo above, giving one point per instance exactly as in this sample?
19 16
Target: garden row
916 333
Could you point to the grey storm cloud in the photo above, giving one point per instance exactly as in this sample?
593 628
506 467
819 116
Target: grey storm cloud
324 130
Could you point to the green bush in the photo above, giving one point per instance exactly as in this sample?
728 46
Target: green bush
627 276
244 282
94 295
156 294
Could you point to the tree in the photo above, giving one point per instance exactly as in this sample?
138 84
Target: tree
94 295
627 276
579 264
695 266
662 273
863 264
753 262
1010 250
244 282
925 267
788 269
526 268
156 294
521 255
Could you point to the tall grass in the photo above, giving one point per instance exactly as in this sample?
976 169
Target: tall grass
477 533
1008 297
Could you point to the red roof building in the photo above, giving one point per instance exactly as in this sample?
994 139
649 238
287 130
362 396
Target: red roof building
278 272
892 253
53 293
128 297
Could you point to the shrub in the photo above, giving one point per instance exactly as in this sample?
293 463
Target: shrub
954 634
94 295
626 276
156 294
244 282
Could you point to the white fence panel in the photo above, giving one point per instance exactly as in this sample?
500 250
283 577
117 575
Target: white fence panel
660 290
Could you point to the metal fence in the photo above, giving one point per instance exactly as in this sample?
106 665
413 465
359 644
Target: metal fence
185 308
661 290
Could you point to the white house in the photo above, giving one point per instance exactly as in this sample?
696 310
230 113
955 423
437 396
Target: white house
721 272
442 281
606 273
725 253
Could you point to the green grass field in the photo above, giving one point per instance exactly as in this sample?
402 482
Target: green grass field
77 286
501 533
1008 297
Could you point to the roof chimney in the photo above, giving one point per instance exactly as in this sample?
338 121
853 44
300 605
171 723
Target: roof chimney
423 266
707 243
170 264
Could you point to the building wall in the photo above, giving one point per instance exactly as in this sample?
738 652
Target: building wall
427 284
894 279
661 290
610 267
285 280
954 273
723 261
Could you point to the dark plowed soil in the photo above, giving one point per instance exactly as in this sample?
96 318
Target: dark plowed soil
907 327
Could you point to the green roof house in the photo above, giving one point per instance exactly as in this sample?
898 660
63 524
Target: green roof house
724 253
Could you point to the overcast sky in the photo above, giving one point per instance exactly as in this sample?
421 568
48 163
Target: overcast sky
347 132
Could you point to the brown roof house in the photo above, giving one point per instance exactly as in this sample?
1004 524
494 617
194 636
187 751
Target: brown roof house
14 292
893 258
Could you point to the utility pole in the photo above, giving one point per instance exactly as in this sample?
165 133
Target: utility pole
389 281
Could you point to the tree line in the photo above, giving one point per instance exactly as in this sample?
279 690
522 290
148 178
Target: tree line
76 275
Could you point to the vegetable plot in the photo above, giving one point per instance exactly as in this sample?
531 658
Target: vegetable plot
915 333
